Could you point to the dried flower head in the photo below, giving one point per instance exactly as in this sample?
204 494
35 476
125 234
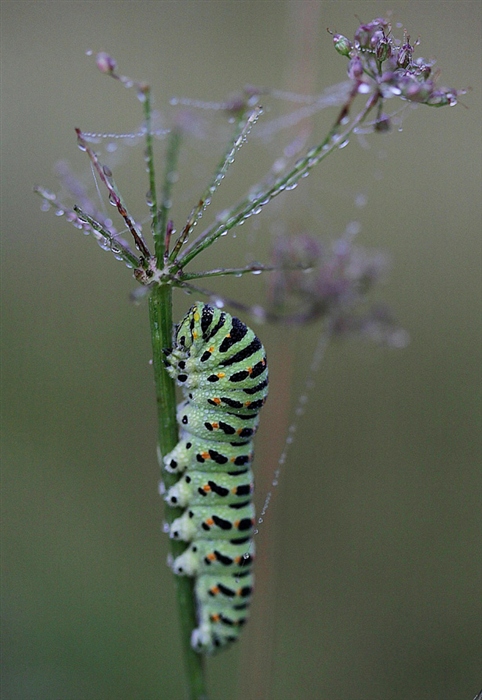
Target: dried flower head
379 60
333 285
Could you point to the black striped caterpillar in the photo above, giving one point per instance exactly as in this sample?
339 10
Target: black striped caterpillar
221 366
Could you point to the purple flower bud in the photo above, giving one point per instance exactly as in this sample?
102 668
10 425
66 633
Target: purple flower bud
383 49
405 54
376 37
355 68
105 63
362 36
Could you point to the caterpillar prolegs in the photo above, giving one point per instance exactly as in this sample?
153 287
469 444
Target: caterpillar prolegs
221 366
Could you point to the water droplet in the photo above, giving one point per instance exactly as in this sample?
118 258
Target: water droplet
59 212
256 272
344 143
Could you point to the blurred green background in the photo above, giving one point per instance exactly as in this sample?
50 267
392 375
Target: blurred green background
370 566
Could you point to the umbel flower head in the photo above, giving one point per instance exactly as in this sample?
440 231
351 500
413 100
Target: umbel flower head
331 283
376 57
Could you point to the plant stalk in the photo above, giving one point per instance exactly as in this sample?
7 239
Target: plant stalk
160 317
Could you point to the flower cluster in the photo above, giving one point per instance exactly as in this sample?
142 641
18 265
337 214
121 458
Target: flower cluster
376 57
312 282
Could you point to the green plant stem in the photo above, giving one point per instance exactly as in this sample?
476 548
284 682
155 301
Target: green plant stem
160 317
314 156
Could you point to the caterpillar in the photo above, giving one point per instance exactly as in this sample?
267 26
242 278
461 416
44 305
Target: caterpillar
221 366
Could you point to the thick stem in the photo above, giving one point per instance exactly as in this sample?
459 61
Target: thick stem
160 316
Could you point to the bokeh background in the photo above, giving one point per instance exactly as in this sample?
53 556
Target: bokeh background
370 565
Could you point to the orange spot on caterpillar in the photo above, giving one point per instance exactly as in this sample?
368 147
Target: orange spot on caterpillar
206 488
211 556
249 370
215 617
209 522
221 374
215 426
216 400
205 455
214 590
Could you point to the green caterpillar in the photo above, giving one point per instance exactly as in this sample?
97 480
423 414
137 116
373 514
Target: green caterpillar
221 366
